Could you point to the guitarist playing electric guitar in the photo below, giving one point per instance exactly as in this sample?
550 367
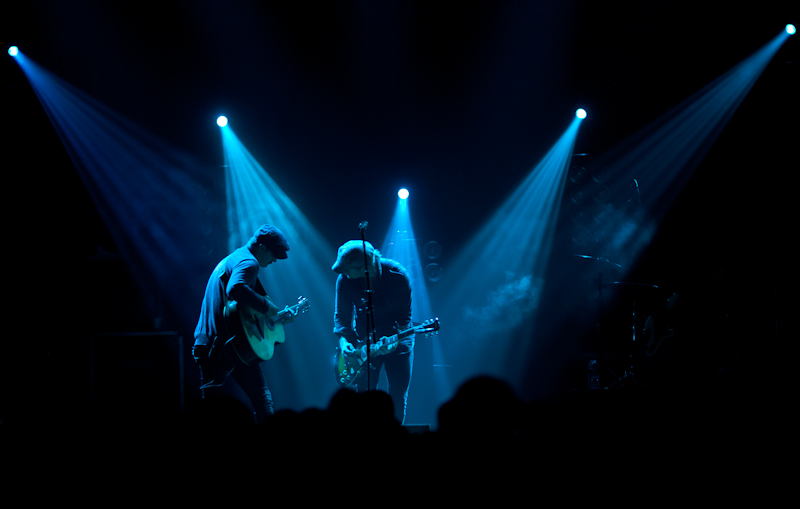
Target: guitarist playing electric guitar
232 290
366 279
349 366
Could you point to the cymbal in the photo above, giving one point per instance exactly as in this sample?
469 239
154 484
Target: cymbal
633 283
598 259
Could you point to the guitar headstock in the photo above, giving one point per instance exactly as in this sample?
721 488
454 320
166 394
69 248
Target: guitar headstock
429 327
303 305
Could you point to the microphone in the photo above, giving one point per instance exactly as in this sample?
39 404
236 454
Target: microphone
362 225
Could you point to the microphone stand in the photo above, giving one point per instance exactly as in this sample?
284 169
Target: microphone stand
370 321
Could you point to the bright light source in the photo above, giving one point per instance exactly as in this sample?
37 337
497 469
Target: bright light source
403 194
790 29
580 113
222 121
13 50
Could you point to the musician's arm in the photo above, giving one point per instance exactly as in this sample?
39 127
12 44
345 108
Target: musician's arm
402 308
241 288
343 318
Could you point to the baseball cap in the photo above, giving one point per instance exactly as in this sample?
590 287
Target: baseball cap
273 238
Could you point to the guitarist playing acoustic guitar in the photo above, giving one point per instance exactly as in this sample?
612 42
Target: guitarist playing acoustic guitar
232 289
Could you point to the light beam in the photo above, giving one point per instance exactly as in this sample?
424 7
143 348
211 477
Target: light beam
302 371
154 199
427 391
653 166
501 274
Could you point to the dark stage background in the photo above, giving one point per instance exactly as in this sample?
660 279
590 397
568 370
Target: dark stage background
346 101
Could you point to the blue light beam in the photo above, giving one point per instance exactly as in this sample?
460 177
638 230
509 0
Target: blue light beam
152 197
302 369
660 159
501 272
401 244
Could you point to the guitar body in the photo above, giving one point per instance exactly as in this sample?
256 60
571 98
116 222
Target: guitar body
256 334
347 368
344 371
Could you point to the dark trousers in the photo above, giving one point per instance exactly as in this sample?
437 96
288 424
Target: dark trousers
398 366
216 368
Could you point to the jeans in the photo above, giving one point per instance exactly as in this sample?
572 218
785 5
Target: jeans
214 368
398 366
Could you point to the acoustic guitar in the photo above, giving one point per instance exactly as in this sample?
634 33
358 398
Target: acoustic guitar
256 334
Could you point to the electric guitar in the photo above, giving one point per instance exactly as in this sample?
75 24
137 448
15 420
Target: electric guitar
256 334
346 368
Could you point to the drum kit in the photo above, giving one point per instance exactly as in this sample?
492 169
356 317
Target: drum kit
641 338
606 281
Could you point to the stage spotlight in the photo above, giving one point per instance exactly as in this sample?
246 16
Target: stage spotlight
13 50
403 194
222 121
790 29
580 113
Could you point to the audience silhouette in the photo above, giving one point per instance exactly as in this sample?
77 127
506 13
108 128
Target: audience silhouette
486 437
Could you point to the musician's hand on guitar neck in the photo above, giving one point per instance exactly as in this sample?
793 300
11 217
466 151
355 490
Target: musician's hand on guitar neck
288 314
385 349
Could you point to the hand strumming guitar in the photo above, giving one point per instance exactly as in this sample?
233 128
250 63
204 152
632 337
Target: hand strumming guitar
346 347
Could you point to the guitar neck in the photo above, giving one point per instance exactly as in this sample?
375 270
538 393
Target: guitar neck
281 316
284 314
429 326
388 340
